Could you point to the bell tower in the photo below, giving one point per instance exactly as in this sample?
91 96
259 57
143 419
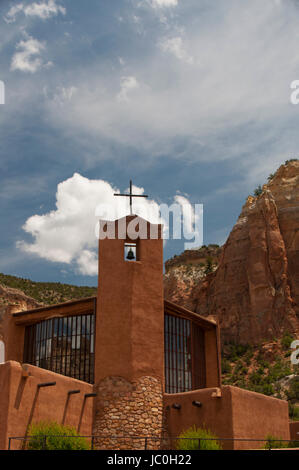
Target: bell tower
130 308
129 340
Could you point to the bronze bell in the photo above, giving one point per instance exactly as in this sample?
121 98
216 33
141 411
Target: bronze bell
130 255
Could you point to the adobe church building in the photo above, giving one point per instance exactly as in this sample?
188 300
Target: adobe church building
126 363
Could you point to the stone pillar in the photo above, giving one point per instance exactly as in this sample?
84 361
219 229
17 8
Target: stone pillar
128 412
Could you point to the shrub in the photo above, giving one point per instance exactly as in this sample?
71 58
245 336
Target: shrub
209 265
233 351
256 379
287 340
54 436
270 177
279 370
225 366
189 440
258 191
293 445
274 442
293 412
268 389
293 392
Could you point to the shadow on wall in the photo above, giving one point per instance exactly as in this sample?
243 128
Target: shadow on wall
30 395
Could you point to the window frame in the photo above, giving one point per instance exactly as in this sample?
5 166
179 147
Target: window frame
65 358
196 371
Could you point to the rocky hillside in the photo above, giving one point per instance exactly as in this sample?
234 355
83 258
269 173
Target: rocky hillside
47 293
254 290
13 300
184 272
18 294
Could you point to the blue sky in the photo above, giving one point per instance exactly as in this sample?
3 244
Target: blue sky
188 97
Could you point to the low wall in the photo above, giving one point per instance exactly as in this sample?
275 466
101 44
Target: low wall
23 403
256 415
237 413
294 430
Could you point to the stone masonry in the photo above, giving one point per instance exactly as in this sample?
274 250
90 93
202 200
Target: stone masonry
127 412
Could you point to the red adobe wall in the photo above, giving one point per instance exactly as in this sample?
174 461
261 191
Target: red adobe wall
294 430
215 413
22 403
129 340
13 337
237 414
256 415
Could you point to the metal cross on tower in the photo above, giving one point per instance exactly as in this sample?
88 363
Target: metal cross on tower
131 195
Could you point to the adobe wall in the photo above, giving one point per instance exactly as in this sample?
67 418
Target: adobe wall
21 401
13 337
294 430
129 338
255 415
238 413
215 413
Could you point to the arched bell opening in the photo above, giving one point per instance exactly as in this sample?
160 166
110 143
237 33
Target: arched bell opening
131 252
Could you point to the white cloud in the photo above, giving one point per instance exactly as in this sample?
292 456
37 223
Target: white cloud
88 263
43 10
27 60
63 95
60 95
175 47
164 3
192 222
14 10
232 103
68 233
127 85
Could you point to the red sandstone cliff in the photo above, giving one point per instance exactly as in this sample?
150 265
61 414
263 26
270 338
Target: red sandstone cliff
183 273
254 292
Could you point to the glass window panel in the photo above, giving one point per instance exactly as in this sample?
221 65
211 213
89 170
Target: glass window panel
181 357
64 345
83 327
55 327
88 325
69 326
65 327
60 321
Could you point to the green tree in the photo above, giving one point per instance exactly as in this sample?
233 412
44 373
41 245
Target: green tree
293 412
293 392
225 366
209 265
287 340
258 191
270 177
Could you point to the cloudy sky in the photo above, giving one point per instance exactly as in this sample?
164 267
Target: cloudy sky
189 98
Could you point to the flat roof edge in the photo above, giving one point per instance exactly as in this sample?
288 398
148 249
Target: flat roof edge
54 306
181 309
